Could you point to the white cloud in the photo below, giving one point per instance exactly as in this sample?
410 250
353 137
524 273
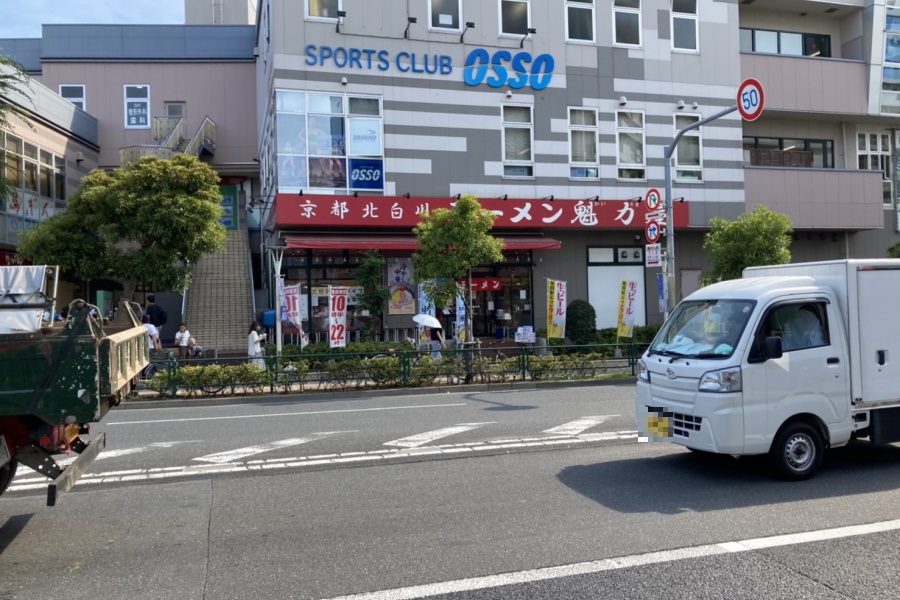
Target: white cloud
23 18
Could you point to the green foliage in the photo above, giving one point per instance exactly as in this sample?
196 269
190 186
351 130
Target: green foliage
14 83
370 276
452 242
760 237
894 251
148 221
581 322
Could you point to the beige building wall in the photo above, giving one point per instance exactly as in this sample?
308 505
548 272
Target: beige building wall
224 92
219 12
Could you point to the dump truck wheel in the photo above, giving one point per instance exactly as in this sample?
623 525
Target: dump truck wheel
7 472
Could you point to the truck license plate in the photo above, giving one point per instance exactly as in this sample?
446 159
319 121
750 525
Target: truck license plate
658 426
4 452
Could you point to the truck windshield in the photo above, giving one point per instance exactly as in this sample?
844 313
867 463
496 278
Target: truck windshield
703 329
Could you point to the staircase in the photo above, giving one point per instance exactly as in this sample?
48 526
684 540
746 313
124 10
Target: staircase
219 306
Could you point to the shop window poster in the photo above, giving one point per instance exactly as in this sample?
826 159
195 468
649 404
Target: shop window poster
400 275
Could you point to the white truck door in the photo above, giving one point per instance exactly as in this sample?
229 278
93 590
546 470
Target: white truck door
810 377
878 334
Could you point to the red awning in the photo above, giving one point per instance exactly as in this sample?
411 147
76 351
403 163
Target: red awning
401 242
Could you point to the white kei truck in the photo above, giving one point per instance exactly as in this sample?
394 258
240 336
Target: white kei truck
787 361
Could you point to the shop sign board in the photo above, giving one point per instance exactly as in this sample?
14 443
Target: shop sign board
337 315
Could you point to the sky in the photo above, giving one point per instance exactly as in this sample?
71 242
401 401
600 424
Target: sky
23 18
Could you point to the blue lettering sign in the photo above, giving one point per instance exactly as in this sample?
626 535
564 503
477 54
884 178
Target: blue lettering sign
476 66
538 76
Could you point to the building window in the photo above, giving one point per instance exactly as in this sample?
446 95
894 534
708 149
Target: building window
873 151
788 152
74 94
445 14
322 9
514 17
892 16
137 107
580 20
688 153
583 133
630 142
627 22
518 160
785 42
329 141
684 25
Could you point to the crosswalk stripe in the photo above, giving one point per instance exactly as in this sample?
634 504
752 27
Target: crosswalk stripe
239 453
420 439
576 427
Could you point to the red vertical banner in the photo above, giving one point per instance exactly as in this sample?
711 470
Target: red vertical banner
337 316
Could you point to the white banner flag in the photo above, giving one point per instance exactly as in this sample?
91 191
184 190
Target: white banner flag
292 300
337 316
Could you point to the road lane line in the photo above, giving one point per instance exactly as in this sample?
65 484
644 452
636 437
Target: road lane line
420 439
576 427
239 453
615 564
292 414
335 460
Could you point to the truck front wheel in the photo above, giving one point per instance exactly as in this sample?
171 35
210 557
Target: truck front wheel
797 451
7 472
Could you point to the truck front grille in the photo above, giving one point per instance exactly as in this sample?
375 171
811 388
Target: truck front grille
683 425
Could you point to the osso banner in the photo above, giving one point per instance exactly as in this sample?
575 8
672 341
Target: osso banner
497 69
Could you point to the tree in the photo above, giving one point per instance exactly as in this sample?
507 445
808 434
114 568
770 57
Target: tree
452 242
894 251
149 221
760 237
14 82
375 293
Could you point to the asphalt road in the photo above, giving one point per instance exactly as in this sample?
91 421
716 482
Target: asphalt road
603 518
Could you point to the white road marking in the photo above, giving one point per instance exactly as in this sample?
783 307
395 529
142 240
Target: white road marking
374 456
615 564
292 414
420 439
576 427
239 453
114 453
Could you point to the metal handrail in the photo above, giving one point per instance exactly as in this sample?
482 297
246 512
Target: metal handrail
205 135
163 126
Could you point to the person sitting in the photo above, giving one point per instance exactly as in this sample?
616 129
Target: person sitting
804 330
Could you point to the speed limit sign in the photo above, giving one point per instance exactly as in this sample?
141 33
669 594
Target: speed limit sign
750 99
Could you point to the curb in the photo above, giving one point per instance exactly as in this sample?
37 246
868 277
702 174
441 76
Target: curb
321 396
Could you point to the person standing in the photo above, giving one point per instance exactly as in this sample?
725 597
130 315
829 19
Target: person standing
436 335
183 341
156 314
152 333
254 345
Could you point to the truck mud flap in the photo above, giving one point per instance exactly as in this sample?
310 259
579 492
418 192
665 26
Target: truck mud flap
75 470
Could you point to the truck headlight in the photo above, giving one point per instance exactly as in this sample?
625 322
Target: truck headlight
724 380
643 373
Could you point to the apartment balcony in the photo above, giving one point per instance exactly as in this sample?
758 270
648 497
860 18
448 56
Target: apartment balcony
171 140
818 198
801 84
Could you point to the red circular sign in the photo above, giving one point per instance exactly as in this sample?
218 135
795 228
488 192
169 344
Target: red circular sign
750 99
652 232
652 199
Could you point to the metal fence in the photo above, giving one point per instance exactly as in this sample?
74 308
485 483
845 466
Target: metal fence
170 377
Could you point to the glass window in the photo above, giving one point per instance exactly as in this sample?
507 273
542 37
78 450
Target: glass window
444 14
688 159
791 44
74 94
137 107
30 176
514 17
627 22
892 48
684 25
746 40
765 41
290 101
326 104
580 20
816 45
874 154
630 144
365 106
518 160
323 9
583 162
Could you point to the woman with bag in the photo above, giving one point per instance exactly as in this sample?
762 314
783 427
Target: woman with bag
254 347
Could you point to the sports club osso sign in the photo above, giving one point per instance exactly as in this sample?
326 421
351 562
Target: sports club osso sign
498 68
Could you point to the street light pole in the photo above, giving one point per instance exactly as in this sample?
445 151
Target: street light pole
670 213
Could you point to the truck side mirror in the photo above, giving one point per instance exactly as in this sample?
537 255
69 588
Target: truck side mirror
773 347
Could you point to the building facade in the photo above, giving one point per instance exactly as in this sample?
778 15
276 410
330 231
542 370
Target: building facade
554 113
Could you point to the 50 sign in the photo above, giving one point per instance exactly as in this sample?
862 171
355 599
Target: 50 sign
366 174
750 99
337 316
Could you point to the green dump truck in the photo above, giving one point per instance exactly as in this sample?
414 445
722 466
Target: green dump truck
59 375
